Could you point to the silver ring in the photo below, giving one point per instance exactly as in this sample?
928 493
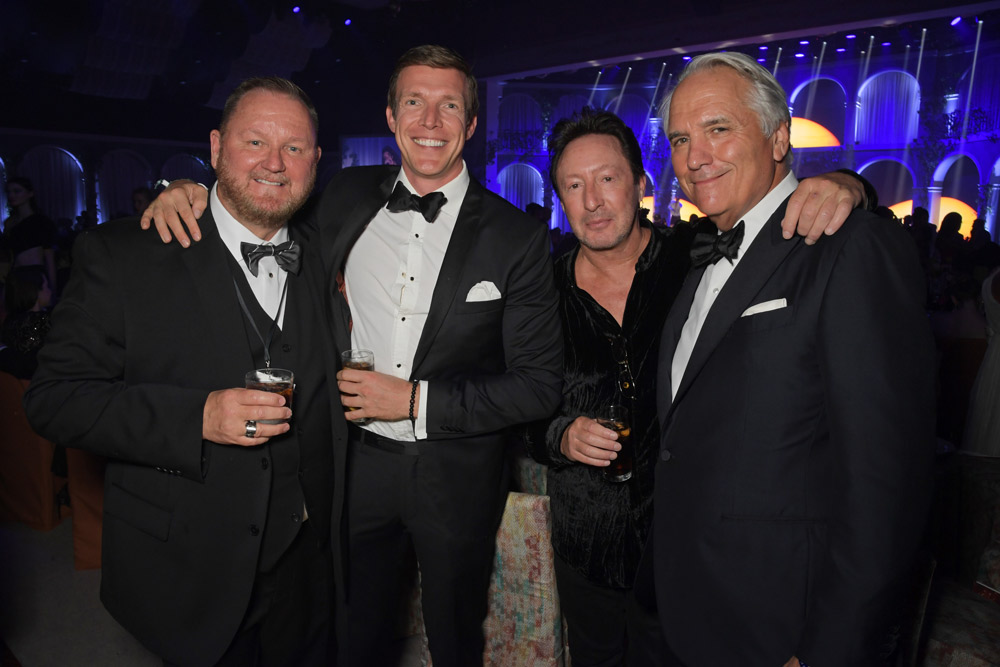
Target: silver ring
251 428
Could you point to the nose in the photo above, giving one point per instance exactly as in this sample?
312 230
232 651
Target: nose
592 199
698 153
274 160
431 116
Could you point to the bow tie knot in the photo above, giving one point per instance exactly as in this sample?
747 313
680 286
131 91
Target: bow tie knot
287 255
428 206
709 246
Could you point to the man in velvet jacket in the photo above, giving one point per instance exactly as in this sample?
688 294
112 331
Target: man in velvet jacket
209 513
795 400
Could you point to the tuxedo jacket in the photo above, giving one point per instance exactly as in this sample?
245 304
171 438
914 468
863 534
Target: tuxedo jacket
144 333
794 471
489 364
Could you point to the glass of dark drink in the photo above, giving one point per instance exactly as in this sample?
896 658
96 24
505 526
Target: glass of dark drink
359 360
276 381
616 418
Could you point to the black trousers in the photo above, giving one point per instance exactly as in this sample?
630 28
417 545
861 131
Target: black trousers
289 621
606 626
394 512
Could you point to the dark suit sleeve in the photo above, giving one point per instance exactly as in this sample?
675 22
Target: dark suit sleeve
79 397
877 360
530 386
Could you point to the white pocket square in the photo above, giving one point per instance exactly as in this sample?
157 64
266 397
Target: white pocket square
483 291
764 307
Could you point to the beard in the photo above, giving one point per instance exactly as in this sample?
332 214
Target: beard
268 213
616 240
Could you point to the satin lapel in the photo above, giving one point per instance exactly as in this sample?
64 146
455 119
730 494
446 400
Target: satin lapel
765 254
218 310
671 334
462 239
345 234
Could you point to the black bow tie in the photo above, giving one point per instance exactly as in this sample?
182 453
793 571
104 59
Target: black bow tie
286 254
429 205
709 246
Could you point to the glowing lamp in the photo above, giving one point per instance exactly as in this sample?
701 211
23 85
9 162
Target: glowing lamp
810 134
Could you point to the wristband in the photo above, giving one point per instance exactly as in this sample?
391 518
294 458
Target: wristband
161 183
413 398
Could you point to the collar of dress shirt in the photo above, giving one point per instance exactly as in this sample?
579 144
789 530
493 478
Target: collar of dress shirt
758 216
454 190
233 232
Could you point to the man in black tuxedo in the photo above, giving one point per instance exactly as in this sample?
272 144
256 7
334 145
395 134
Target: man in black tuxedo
458 303
795 398
451 286
216 524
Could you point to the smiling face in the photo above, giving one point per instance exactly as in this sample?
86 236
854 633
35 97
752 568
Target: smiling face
265 159
723 161
429 124
598 191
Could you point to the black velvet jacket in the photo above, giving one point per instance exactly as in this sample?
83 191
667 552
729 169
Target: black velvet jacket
600 527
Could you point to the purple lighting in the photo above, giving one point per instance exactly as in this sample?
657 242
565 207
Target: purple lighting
687 57
800 55
803 42
886 43
762 48
850 37
956 20
841 50
296 9
347 22
761 60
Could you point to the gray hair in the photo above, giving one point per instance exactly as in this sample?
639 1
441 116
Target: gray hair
766 97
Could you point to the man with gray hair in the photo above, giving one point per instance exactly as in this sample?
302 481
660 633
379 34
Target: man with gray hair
795 397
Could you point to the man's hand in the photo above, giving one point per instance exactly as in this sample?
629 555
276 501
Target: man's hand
821 204
586 441
227 412
375 395
794 662
182 203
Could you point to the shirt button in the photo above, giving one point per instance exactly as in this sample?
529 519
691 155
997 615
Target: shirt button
270 275
254 530
715 291
399 365
402 319
665 455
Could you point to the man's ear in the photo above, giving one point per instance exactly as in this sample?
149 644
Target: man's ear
215 139
471 128
390 118
781 142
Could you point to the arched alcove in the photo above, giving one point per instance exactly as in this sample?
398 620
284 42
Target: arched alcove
57 176
984 106
960 179
888 105
824 101
567 106
521 184
892 179
120 172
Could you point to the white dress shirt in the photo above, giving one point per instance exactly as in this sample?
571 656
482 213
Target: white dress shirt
269 283
716 275
389 278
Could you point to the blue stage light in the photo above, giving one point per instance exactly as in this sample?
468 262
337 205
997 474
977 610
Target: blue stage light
687 57
956 20
760 60
296 9
800 55
347 22
762 48
841 50
850 37
803 42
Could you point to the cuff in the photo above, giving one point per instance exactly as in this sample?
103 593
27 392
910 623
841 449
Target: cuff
420 425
